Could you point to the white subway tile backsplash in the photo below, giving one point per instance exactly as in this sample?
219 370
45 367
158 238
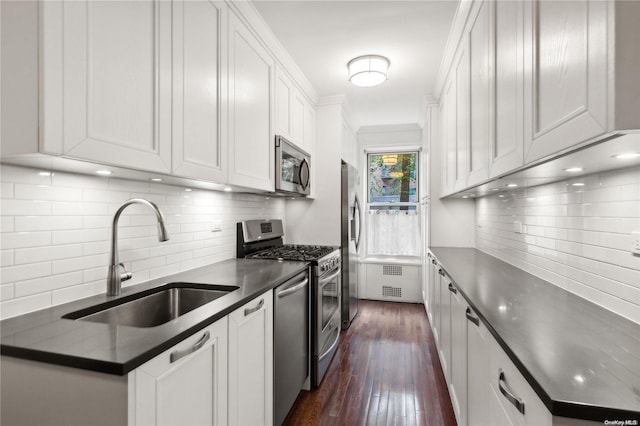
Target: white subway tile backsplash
11 207
6 258
56 233
22 305
52 282
578 238
25 272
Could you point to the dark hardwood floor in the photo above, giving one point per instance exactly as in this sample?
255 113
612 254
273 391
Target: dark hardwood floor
386 371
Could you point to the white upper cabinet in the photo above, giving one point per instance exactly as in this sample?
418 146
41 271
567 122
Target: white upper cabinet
480 51
506 145
251 141
566 54
283 97
106 73
294 115
199 79
462 114
448 136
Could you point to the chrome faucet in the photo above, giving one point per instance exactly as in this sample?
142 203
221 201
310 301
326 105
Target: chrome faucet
115 277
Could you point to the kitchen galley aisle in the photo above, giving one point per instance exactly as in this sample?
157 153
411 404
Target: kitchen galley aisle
386 371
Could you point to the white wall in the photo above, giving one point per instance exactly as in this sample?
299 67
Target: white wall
578 238
55 233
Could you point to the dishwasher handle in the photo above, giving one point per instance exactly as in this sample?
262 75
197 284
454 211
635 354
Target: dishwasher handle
291 290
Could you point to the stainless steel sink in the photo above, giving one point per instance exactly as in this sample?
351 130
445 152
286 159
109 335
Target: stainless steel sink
152 307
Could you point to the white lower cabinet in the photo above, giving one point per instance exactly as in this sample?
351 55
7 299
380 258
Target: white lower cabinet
251 363
458 368
186 384
478 352
518 400
444 348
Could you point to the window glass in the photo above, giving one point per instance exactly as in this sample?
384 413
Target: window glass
393 177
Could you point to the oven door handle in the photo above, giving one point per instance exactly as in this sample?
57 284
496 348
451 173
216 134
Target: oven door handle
330 277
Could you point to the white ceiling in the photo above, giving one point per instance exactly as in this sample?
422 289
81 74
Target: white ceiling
322 36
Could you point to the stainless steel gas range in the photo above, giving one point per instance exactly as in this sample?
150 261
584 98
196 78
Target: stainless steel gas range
262 239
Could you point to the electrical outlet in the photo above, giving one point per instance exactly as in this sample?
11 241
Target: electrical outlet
216 227
635 243
517 227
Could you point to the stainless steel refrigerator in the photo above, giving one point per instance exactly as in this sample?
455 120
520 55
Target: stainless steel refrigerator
350 242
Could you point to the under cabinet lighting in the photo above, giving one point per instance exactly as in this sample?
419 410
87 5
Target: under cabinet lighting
465 196
626 155
577 184
103 172
45 173
578 378
573 169
187 189
495 189
512 185
227 189
156 179
500 196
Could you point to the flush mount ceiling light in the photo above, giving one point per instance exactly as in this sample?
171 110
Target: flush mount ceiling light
368 70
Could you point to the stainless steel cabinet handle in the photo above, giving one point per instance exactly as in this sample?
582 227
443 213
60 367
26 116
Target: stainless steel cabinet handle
452 289
249 311
176 355
293 289
441 272
508 393
471 318
433 261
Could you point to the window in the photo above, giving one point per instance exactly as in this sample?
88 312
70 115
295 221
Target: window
393 204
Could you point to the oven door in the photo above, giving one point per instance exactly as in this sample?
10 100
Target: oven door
328 311
292 168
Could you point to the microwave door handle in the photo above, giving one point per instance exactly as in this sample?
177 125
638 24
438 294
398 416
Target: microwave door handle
304 182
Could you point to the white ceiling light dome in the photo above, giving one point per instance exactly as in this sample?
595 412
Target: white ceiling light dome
368 70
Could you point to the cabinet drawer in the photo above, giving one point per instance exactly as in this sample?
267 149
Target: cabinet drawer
512 389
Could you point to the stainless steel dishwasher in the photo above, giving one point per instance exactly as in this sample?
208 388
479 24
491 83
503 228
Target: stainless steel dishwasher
291 343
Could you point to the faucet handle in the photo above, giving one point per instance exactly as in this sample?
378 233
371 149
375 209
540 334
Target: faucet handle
125 275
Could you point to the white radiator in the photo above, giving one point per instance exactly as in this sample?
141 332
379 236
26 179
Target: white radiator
399 283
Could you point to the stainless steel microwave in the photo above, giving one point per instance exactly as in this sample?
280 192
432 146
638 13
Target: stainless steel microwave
293 168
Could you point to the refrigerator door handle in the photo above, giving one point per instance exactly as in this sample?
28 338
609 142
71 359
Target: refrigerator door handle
356 214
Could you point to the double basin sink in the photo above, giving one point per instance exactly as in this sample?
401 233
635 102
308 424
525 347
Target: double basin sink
152 307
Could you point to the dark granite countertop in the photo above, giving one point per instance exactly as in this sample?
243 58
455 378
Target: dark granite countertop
44 336
582 360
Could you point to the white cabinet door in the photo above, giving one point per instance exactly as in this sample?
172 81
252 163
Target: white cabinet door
481 70
251 142
436 304
448 137
445 327
462 111
478 362
431 289
458 385
199 79
185 385
567 81
297 118
283 89
309 128
107 73
508 144
251 362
